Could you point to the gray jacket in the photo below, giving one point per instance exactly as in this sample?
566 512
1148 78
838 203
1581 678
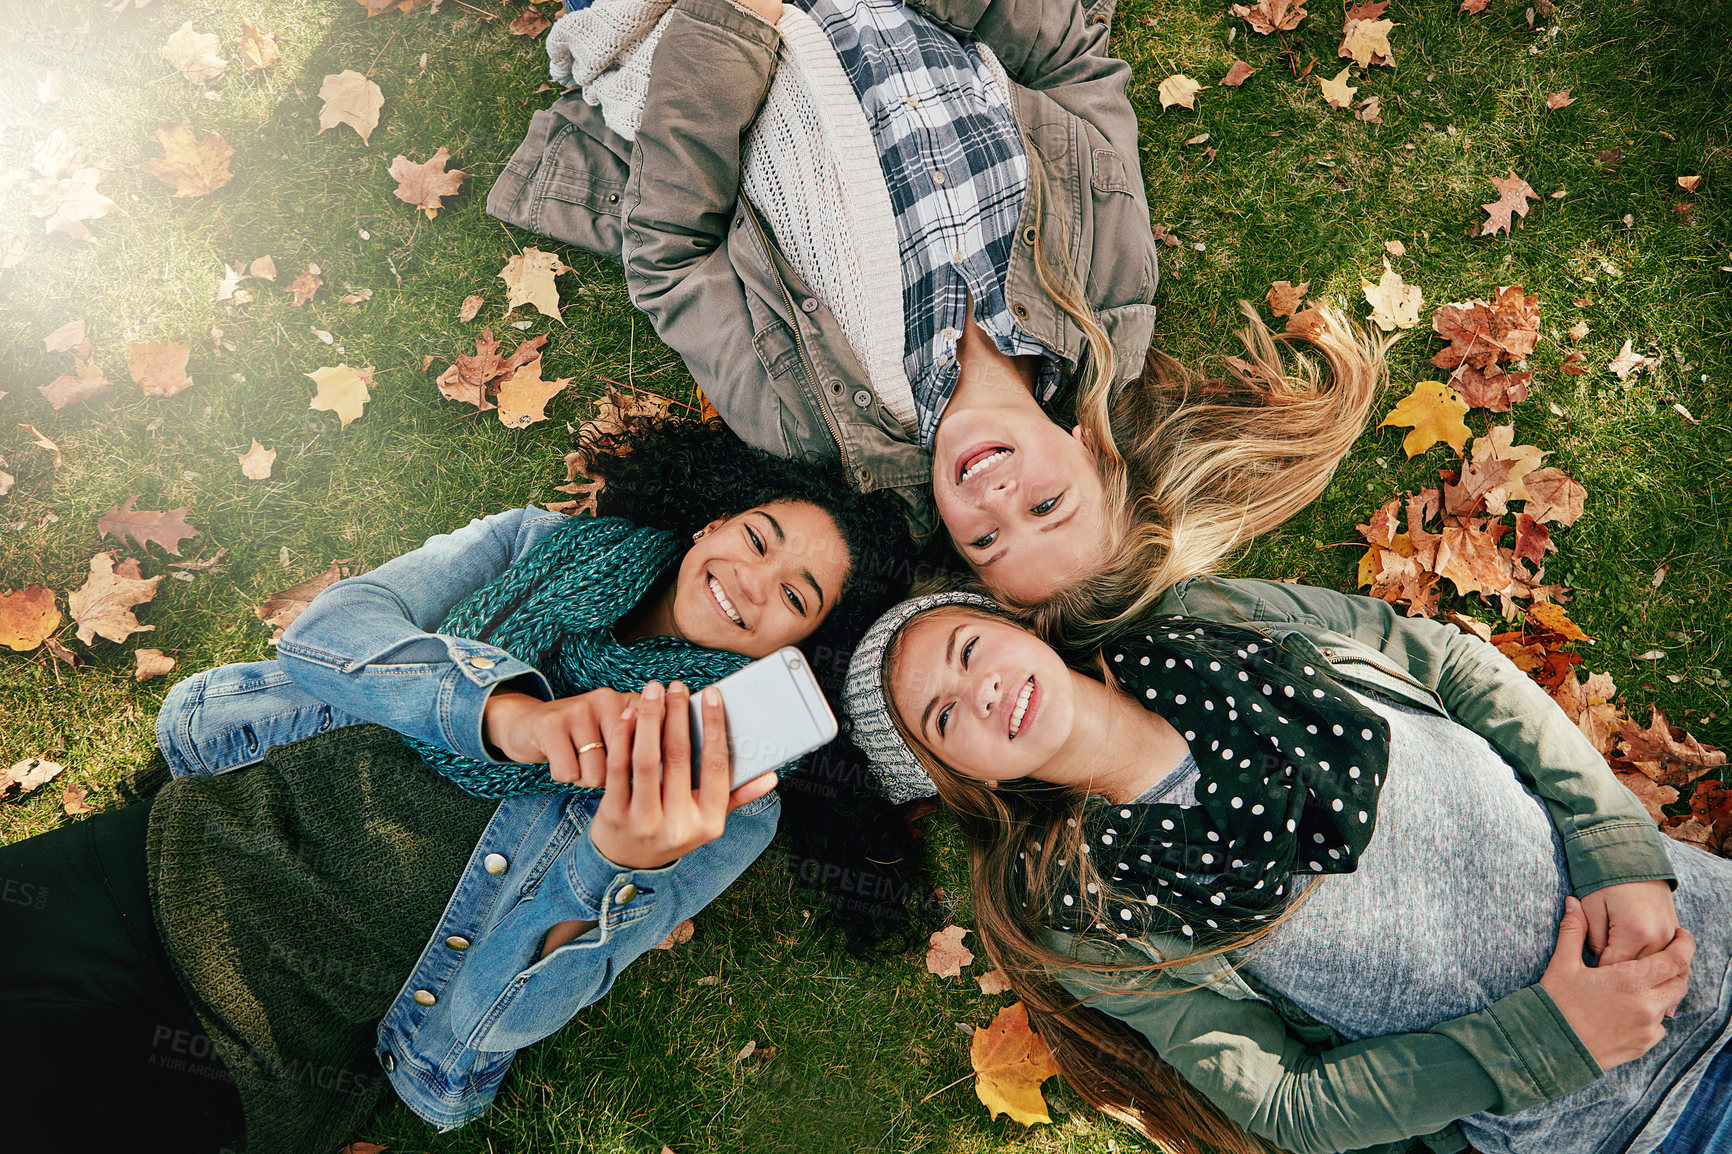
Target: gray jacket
701 264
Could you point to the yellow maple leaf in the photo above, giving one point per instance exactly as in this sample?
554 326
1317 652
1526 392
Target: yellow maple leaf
159 368
1337 92
1179 89
524 395
342 390
1367 40
258 49
351 99
1010 1062
1395 304
528 278
103 605
28 617
192 167
1434 412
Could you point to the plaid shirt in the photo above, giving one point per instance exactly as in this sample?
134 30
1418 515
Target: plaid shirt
953 160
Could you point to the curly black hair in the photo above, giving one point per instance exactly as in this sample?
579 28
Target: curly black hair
844 838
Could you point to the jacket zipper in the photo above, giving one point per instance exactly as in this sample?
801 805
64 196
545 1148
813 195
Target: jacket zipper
799 341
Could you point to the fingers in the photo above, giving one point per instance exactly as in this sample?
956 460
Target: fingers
1598 917
715 772
752 790
677 745
1572 935
646 755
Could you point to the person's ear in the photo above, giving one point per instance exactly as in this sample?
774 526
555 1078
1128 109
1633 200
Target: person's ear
710 528
1083 439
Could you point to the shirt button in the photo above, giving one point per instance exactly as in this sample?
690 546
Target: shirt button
910 102
625 895
949 333
482 662
937 177
957 258
809 305
457 942
425 997
862 398
495 863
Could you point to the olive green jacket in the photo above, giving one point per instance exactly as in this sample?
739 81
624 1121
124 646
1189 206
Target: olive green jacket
1262 1060
766 352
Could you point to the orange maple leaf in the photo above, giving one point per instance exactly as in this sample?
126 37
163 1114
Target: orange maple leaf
144 526
426 185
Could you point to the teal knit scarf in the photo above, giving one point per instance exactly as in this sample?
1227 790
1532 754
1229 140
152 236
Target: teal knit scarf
555 609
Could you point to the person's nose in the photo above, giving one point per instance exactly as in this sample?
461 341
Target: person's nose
986 693
752 583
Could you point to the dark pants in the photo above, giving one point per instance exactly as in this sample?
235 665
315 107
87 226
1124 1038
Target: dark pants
99 1049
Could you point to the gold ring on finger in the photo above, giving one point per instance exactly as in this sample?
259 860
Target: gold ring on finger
585 748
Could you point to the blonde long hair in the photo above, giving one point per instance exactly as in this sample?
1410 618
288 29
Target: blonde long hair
1195 466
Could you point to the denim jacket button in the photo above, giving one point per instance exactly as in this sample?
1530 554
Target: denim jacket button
625 894
425 997
457 942
389 1061
495 863
482 662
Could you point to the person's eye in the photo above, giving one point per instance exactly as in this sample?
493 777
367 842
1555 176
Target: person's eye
757 541
1047 506
794 601
967 649
983 542
943 720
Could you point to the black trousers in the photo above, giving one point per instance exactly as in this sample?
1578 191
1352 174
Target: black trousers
99 1048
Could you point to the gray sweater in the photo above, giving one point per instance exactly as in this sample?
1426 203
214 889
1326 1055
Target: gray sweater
1455 904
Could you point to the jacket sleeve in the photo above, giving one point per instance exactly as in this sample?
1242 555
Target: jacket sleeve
709 78
366 646
1239 1054
1608 836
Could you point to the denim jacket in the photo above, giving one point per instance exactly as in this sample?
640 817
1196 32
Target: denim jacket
766 352
480 990
1261 1059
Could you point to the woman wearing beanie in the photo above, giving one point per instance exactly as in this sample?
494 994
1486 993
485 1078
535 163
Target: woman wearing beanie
1282 869
255 955
912 239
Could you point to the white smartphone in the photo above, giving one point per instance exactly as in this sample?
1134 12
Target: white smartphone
776 714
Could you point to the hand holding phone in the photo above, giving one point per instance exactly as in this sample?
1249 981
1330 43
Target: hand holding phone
653 812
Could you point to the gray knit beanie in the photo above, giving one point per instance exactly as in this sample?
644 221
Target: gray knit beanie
899 775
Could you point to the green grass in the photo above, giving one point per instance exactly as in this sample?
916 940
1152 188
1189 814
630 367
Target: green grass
858 1048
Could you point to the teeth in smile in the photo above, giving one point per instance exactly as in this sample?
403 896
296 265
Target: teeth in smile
722 600
989 459
1021 707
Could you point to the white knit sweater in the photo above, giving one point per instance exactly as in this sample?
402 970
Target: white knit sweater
808 163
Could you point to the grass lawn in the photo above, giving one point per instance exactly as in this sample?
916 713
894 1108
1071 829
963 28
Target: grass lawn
1288 189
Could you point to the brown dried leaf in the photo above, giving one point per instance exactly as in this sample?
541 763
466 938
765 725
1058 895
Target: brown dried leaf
1629 362
528 278
26 775
471 306
256 462
946 956
350 98
1285 298
1486 333
264 267
67 336
1553 496
343 390
28 617
88 383
167 529
1267 16
993 982
1664 752
1238 74
151 663
1574 363
72 800
585 491
42 442
1557 100
523 396
159 369
1653 797
192 167
102 606
282 607
529 23
306 286
1513 194
258 50
196 55
426 185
